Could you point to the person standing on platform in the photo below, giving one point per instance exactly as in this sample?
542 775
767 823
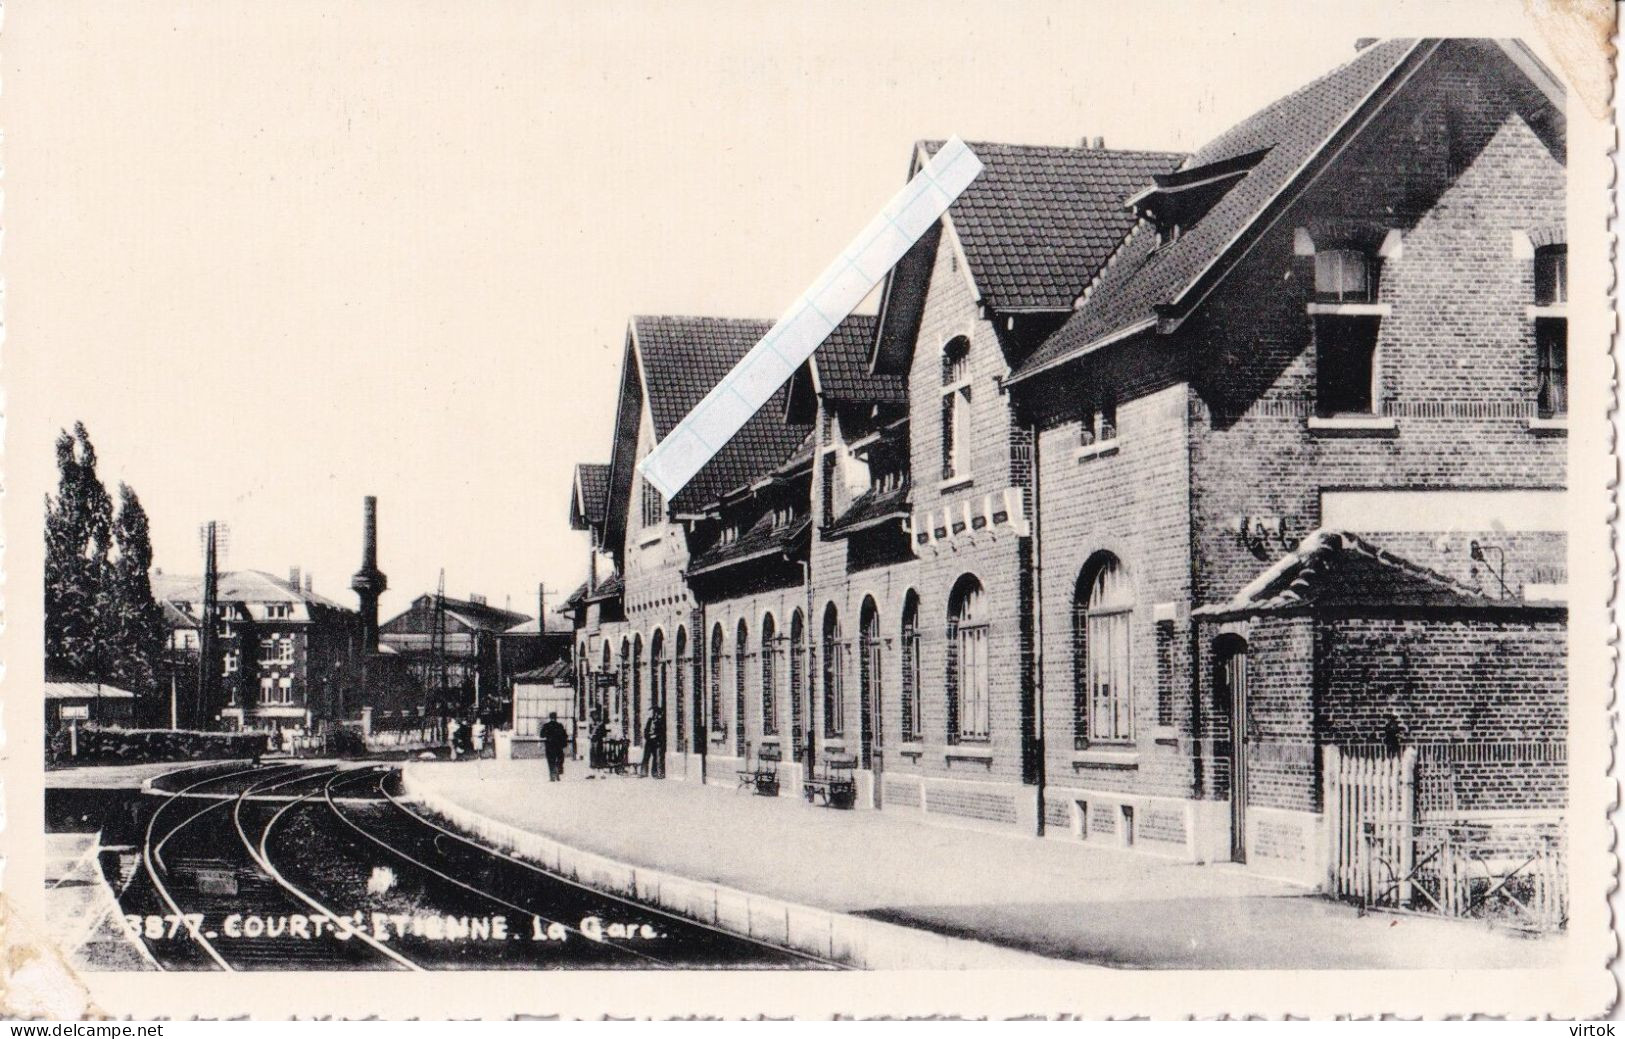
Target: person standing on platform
554 740
654 745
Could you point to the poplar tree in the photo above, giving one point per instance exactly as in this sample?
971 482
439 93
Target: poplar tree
78 541
135 620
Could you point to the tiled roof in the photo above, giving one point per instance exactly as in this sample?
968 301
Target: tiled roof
683 358
1038 221
609 588
869 507
555 673
762 539
575 598
1140 276
1332 568
236 586
175 617
842 362
592 481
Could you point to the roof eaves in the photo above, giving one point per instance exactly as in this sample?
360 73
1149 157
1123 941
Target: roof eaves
1126 332
1364 111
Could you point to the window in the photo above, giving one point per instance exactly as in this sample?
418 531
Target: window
652 507
827 482
624 686
285 651
871 666
1098 424
834 694
956 442
1343 276
284 688
681 706
1551 275
267 691
730 534
913 712
798 671
783 516
637 691
770 678
658 672
1103 706
1346 368
741 642
715 710
967 662
1552 364
233 661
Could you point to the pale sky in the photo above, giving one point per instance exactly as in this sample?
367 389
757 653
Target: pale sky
280 256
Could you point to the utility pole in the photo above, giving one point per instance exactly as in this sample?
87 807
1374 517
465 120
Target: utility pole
437 642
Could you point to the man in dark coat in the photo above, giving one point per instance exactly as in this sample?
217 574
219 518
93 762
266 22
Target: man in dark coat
554 740
654 745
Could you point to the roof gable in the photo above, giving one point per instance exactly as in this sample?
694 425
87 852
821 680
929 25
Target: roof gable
589 495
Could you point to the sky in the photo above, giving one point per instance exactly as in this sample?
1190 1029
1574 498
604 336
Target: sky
278 257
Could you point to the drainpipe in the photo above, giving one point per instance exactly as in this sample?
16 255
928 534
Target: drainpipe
1038 630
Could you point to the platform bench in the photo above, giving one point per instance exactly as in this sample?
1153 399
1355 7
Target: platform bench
835 783
764 775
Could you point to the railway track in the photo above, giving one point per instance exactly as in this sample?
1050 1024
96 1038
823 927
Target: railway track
593 929
293 867
218 907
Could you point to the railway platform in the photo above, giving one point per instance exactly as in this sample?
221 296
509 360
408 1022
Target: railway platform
684 844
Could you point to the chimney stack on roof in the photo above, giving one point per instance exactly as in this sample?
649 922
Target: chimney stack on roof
477 600
293 578
1092 143
309 587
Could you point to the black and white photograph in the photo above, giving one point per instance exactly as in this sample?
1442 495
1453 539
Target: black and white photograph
1097 508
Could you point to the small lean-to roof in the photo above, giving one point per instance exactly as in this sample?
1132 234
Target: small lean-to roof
85 691
1336 569
762 541
871 508
1142 276
1038 221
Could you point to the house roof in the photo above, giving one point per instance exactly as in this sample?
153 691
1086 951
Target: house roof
1335 568
175 617
589 495
1038 221
575 598
761 541
236 586
482 616
840 366
558 623
678 360
1142 278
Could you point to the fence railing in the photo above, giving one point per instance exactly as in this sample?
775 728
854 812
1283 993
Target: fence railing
1510 873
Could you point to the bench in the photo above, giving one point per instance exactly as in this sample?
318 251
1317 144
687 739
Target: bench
764 776
614 757
835 783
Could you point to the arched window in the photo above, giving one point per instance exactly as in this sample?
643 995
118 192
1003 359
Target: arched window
600 699
798 677
770 678
623 684
834 694
967 663
583 681
714 710
741 656
1102 693
913 713
658 671
870 669
635 719
681 704
956 387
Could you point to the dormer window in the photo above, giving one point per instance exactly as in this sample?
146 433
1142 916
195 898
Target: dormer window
1344 276
729 535
653 507
1551 275
885 481
783 516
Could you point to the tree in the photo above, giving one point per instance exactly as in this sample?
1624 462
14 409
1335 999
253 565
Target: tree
101 621
136 632
78 539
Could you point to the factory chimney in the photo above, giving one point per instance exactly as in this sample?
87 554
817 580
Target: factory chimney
368 582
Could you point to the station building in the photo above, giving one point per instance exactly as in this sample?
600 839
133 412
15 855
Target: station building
1159 485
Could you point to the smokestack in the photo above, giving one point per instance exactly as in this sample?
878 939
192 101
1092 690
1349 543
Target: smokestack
369 583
